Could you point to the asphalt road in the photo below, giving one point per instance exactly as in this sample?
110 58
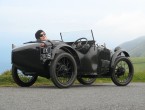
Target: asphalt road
79 97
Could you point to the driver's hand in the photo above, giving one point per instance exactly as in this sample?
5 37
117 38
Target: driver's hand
79 44
73 46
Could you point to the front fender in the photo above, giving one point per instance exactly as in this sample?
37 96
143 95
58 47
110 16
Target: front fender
57 50
66 48
117 54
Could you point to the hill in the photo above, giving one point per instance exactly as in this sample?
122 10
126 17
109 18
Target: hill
136 47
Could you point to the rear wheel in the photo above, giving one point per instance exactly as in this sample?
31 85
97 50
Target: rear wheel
86 81
63 70
123 71
21 79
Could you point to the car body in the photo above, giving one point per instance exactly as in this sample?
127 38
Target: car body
63 62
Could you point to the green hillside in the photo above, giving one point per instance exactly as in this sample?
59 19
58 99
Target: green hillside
136 47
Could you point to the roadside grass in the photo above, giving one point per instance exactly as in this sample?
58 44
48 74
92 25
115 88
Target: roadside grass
139 75
139 69
6 80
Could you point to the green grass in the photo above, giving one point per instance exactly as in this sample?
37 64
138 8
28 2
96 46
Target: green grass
139 64
7 80
139 69
139 75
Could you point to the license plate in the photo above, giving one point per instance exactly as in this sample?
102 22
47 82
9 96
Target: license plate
45 53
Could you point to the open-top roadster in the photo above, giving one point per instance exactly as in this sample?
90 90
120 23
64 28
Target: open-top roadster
64 61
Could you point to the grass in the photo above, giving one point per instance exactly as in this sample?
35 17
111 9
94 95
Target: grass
7 80
139 69
139 75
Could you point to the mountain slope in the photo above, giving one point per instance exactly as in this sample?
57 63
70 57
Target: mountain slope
136 47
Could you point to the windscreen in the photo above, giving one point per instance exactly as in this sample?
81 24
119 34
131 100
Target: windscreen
74 35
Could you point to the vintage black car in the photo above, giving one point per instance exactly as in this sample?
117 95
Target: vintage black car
63 62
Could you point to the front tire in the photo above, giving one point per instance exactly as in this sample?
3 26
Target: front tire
21 79
63 70
123 71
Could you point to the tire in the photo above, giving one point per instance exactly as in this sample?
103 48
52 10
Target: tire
123 71
63 70
86 81
21 79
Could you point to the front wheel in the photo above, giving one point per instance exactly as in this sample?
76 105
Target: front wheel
123 71
21 79
63 70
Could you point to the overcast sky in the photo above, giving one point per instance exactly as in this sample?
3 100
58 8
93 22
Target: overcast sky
112 21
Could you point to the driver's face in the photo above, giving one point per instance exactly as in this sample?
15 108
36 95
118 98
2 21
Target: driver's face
43 36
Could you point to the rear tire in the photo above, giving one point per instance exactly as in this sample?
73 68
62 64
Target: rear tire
86 81
21 79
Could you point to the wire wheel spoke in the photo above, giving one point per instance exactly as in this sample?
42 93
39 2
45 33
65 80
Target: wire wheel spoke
24 78
64 70
122 72
87 79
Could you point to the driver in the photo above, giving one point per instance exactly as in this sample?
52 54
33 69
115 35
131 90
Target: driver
40 35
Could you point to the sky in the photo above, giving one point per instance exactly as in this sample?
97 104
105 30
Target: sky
113 21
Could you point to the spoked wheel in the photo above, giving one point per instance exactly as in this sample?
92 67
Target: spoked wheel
86 81
63 70
123 71
21 79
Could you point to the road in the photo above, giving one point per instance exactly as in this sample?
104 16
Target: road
104 96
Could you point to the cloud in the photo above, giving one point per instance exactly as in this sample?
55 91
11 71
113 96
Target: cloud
132 23
117 28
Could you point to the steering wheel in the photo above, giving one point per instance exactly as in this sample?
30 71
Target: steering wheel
78 43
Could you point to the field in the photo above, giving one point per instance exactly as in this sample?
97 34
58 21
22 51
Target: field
139 69
139 75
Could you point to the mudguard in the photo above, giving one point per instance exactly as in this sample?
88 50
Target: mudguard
67 49
116 54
